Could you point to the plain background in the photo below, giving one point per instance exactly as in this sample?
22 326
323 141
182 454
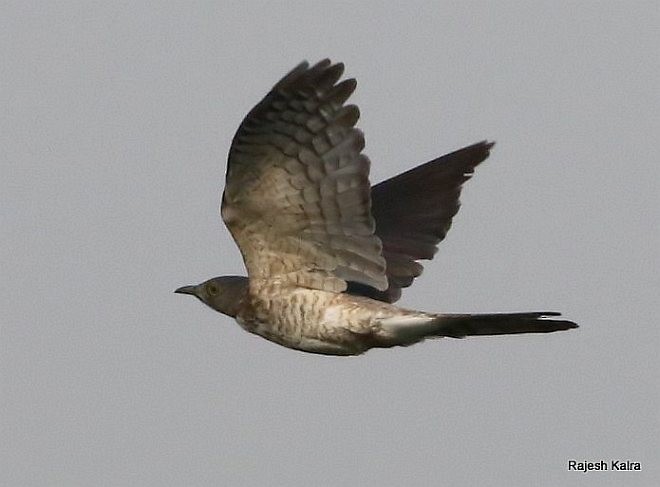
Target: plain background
116 120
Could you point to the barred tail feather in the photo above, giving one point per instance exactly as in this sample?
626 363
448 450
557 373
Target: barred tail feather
460 326
413 329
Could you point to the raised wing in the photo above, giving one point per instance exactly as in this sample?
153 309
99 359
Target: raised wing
297 197
413 213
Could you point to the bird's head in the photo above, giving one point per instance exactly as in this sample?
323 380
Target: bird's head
223 293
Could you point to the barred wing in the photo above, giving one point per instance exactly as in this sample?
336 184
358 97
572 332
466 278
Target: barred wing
297 197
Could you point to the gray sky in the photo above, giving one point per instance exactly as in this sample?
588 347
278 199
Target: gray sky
115 121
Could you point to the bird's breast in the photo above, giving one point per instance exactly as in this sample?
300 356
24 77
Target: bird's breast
281 313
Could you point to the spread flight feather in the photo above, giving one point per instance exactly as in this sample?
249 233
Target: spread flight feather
326 253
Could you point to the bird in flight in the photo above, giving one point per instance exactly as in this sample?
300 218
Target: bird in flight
326 253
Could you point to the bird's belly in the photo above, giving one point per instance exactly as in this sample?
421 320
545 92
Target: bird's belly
294 337
323 347
311 320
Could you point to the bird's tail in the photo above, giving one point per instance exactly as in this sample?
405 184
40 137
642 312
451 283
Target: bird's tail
411 329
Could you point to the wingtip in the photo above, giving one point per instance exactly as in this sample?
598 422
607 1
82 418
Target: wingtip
485 144
323 63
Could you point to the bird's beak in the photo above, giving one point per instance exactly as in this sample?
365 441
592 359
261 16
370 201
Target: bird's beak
186 290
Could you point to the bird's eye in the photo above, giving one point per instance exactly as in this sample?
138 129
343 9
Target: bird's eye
213 289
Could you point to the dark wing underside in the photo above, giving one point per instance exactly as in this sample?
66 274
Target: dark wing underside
414 211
